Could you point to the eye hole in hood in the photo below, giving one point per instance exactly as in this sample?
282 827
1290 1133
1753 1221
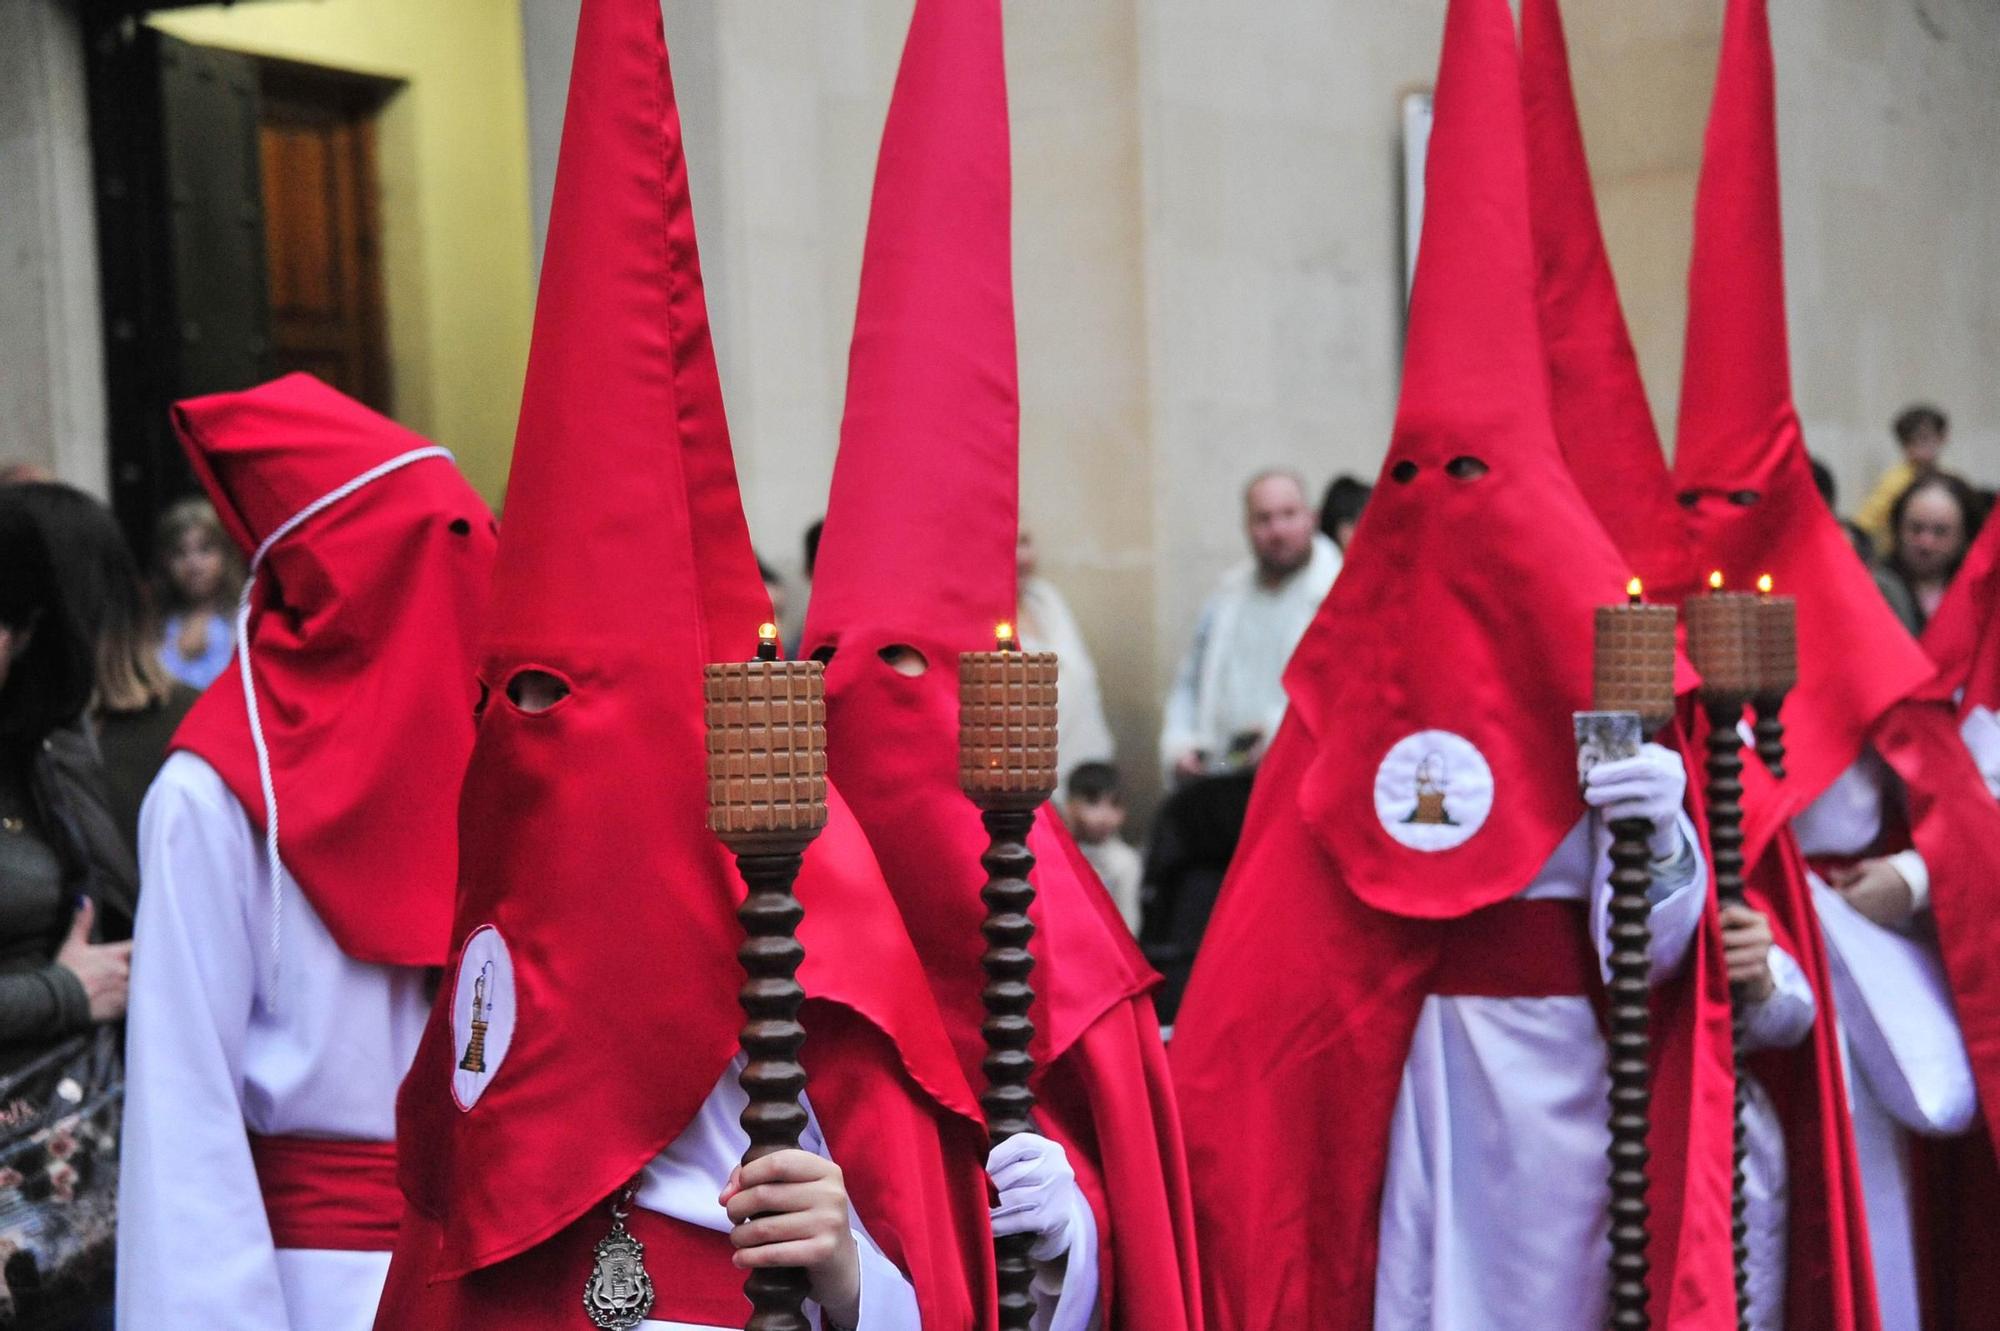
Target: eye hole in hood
1403 472
534 691
1465 467
904 659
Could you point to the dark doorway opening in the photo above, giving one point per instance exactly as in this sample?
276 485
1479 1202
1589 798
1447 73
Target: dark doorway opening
238 238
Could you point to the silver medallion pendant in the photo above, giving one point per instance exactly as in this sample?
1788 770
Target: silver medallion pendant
619 1293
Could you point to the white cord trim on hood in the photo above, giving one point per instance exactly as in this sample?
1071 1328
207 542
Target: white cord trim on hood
257 741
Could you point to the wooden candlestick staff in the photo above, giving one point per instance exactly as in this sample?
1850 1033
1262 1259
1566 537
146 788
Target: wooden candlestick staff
1777 671
1723 640
766 802
1007 766
1634 673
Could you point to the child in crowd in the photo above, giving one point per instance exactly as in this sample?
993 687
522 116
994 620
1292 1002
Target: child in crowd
1094 807
198 574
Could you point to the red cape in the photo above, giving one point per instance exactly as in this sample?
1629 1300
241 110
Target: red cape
1955 825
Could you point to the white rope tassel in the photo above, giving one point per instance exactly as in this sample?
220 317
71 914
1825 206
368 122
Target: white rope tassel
269 788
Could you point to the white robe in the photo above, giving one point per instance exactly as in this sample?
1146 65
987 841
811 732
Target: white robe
210 1058
1495 1205
1779 1022
1230 680
1906 1065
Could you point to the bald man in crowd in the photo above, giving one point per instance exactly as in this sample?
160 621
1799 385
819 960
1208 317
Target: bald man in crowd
1228 698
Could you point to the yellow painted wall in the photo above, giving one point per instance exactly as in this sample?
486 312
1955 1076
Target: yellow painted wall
453 149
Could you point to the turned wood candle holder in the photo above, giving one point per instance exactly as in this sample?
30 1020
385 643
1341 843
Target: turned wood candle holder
1007 766
1633 672
1723 640
766 802
1777 674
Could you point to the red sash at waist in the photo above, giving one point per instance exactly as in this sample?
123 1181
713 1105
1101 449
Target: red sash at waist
329 1194
1519 949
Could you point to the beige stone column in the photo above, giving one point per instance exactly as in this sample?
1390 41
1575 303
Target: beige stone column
51 355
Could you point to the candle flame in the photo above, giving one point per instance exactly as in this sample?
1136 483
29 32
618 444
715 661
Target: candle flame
1715 581
1635 589
1764 584
767 641
767 632
1003 634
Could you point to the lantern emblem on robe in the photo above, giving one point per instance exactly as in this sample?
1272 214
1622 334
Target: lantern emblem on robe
1433 787
1433 791
475 1049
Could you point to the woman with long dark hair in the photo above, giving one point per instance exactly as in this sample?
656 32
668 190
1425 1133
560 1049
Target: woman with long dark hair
51 984
136 704
60 988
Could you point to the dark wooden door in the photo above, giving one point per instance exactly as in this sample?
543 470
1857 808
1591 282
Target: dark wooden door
322 239
180 241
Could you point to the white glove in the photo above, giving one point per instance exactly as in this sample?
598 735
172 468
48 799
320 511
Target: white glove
1650 786
1038 1193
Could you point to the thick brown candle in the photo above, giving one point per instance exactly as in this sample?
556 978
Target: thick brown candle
1635 660
1722 639
766 753
1777 642
1007 725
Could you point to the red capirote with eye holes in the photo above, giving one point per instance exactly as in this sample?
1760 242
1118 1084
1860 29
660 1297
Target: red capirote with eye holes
624 569
1466 607
917 564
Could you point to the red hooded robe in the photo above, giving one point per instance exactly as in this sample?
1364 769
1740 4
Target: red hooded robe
583 825
1466 608
1746 487
918 552
1606 428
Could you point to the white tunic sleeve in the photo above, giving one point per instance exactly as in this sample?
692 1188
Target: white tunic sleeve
194 1248
1071 1303
685 1181
1678 895
1783 1019
1895 1008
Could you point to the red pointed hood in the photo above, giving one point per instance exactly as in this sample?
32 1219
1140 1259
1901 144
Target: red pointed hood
1740 463
1602 418
923 516
920 530
364 682
1963 637
1441 673
587 862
